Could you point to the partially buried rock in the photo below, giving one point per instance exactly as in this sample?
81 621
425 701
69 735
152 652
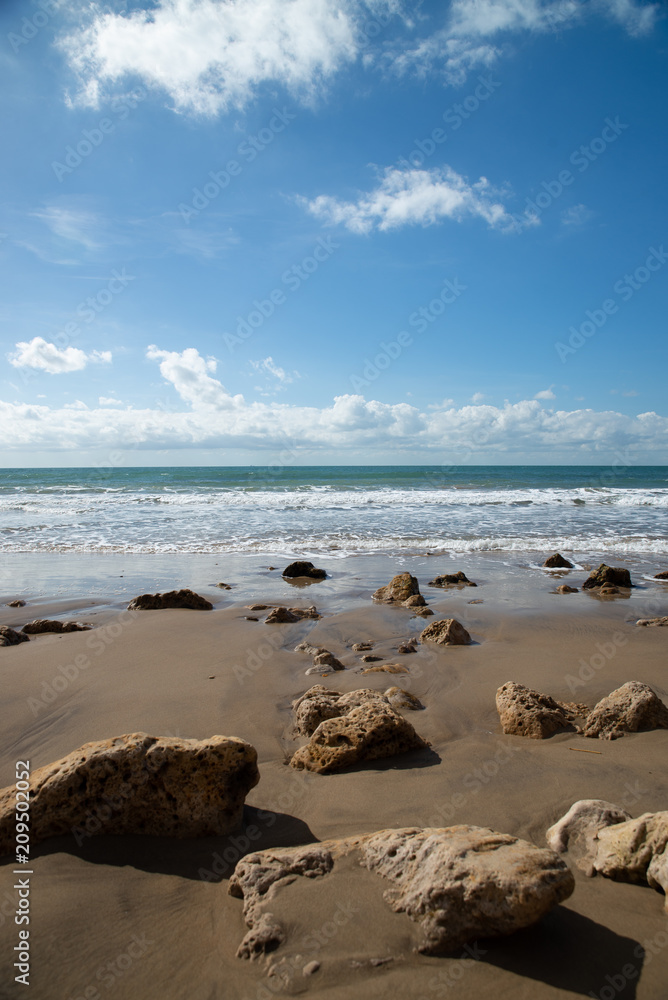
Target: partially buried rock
16 604
416 601
370 658
327 661
387 668
48 625
457 884
423 613
171 599
525 712
608 589
319 704
557 561
399 589
661 576
161 786
616 575
579 827
407 647
628 709
635 851
653 621
361 647
398 698
9 637
303 568
446 632
285 616
369 732
565 589
224 586
452 579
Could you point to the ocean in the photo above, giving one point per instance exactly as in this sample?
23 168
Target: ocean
337 511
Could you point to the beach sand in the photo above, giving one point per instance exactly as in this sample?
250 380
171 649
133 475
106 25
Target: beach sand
148 918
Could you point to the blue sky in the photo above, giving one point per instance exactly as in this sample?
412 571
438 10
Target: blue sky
342 232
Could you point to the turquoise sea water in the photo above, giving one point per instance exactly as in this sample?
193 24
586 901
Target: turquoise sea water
338 511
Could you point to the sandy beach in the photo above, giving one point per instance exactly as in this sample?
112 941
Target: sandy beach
148 917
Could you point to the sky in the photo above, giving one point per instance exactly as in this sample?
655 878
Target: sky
333 232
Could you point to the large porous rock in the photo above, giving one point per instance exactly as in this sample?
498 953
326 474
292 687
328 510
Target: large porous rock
285 616
629 709
635 851
320 703
458 884
304 568
557 561
368 732
579 827
171 599
136 783
446 632
399 589
616 575
653 621
40 625
10 637
452 579
525 712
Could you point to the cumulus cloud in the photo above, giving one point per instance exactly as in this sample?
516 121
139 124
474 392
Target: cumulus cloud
545 394
39 353
413 197
211 55
216 419
109 401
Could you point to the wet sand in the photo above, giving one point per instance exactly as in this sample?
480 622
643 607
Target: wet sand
141 917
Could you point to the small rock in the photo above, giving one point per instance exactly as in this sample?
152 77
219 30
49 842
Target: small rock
452 579
525 712
251 618
47 625
224 586
16 604
399 589
629 709
416 601
446 632
306 647
10 637
423 613
661 576
311 968
327 659
360 647
285 616
271 567
398 698
479 601
370 658
616 575
607 590
172 599
257 607
407 647
387 668
563 588
557 561
303 568
652 621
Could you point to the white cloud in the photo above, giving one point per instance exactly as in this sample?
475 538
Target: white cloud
576 215
39 353
109 401
215 419
269 368
478 397
211 55
74 225
545 394
413 197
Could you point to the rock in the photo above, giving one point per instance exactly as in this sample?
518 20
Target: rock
257 607
310 968
163 786
635 851
48 625
415 601
399 589
452 579
580 826
617 576
251 618
306 647
16 604
458 884
557 561
387 668
423 613
525 712
360 647
478 601
398 698
327 659
565 589
172 599
284 616
407 647
657 576
9 637
629 709
370 658
303 568
369 732
224 586
652 621
446 632
607 590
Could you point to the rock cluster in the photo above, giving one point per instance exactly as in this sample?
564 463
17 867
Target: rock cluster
304 568
446 632
137 783
451 580
171 599
615 575
40 625
557 561
457 884
320 703
285 616
10 637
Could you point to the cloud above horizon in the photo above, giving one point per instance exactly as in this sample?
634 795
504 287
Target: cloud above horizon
40 354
